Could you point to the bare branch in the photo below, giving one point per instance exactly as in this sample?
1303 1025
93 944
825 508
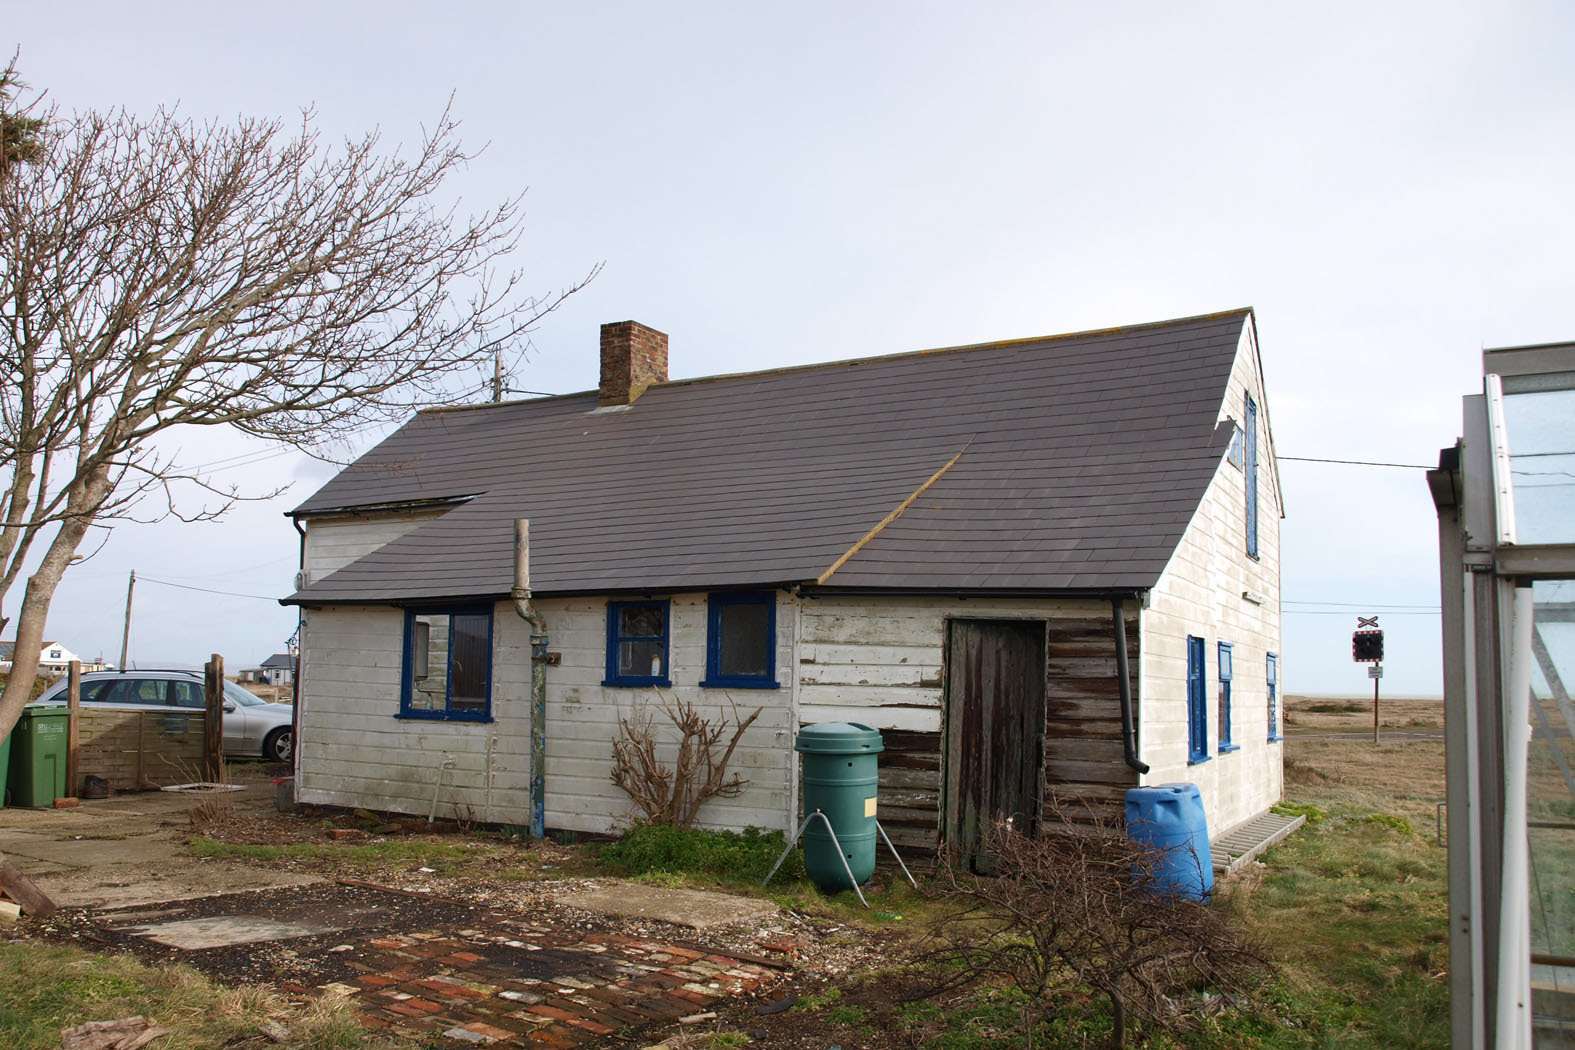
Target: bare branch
160 272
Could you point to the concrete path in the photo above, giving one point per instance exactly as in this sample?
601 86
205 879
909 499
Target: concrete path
696 909
128 851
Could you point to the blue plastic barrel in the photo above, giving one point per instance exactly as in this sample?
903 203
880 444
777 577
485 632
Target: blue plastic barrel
1170 818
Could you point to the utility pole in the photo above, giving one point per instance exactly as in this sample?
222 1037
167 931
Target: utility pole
1377 677
125 634
497 376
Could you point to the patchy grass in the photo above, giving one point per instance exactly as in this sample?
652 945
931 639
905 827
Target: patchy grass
1354 904
45 988
447 858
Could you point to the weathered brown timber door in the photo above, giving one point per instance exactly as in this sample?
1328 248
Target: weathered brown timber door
995 724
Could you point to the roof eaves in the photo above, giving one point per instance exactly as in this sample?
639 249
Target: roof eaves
428 503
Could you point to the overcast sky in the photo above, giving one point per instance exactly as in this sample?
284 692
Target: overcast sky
1388 184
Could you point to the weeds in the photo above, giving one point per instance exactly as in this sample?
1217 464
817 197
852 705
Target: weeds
1314 814
730 856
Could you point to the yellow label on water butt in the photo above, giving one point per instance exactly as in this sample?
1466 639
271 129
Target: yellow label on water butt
869 806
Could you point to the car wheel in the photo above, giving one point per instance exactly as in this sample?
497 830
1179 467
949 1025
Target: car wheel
279 746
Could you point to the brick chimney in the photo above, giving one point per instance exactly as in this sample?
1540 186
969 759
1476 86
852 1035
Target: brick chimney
633 358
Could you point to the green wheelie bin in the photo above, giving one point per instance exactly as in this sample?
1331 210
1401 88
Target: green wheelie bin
38 756
841 760
5 768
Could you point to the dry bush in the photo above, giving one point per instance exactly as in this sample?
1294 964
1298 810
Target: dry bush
1078 908
210 813
674 794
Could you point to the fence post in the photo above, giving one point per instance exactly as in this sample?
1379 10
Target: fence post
73 728
213 721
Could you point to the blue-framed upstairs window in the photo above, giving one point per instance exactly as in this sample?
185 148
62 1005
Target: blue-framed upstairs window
637 643
741 640
1226 673
1272 680
447 664
1197 708
1251 469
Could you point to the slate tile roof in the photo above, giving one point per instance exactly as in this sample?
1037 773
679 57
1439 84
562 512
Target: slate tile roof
1079 460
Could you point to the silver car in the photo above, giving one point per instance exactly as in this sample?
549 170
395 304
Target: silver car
252 726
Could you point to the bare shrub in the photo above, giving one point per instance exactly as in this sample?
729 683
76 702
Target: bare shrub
674 794
211 813
1078 908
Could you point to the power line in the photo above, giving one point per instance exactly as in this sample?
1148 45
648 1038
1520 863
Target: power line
1338 612
1355 462
1360 605
207 590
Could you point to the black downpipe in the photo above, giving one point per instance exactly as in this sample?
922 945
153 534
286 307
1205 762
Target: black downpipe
1128 736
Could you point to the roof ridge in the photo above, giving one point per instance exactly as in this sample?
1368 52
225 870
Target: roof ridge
848 362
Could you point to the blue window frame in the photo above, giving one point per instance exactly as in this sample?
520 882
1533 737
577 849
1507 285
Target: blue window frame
1227 672
1251 469
637 643
446 668
1272 675
1197 711
741 640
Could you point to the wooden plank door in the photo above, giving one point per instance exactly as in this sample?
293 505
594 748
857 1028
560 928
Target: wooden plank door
995 724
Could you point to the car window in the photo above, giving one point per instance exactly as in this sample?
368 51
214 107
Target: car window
136 691
95 692
187 694
241 695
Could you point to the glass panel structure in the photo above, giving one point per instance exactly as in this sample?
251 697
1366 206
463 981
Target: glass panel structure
1550 792
1505 495
1542 463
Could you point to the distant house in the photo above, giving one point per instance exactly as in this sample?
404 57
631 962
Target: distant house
278 669
954 546
53 658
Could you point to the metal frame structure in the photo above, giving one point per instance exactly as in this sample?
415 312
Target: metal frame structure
1495 656
840 856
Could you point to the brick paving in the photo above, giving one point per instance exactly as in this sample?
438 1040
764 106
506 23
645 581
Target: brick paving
522 985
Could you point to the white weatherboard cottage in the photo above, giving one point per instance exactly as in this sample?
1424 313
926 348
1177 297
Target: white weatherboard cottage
950 546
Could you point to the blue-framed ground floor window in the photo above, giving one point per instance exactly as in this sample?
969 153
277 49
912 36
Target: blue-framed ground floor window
1272 681
447 665
637 643
1197 706
741 640
1226 673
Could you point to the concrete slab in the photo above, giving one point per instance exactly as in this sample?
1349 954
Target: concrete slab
133 886
696 909
222 931
89 852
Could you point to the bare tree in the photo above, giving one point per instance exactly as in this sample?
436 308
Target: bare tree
1082 906
674 794
160 273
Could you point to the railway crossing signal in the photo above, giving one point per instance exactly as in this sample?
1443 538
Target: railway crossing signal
1367 647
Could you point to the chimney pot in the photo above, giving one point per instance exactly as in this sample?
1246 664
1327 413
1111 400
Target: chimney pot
633 358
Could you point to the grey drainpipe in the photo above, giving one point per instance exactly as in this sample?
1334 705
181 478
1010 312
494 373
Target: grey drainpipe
538 678
1128 736
300 647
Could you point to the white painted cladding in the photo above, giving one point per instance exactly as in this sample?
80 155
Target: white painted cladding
1200 594
334 542
355 751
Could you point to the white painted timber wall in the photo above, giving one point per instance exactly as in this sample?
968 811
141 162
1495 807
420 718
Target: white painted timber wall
583 714
334 542
356 751
1201 594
